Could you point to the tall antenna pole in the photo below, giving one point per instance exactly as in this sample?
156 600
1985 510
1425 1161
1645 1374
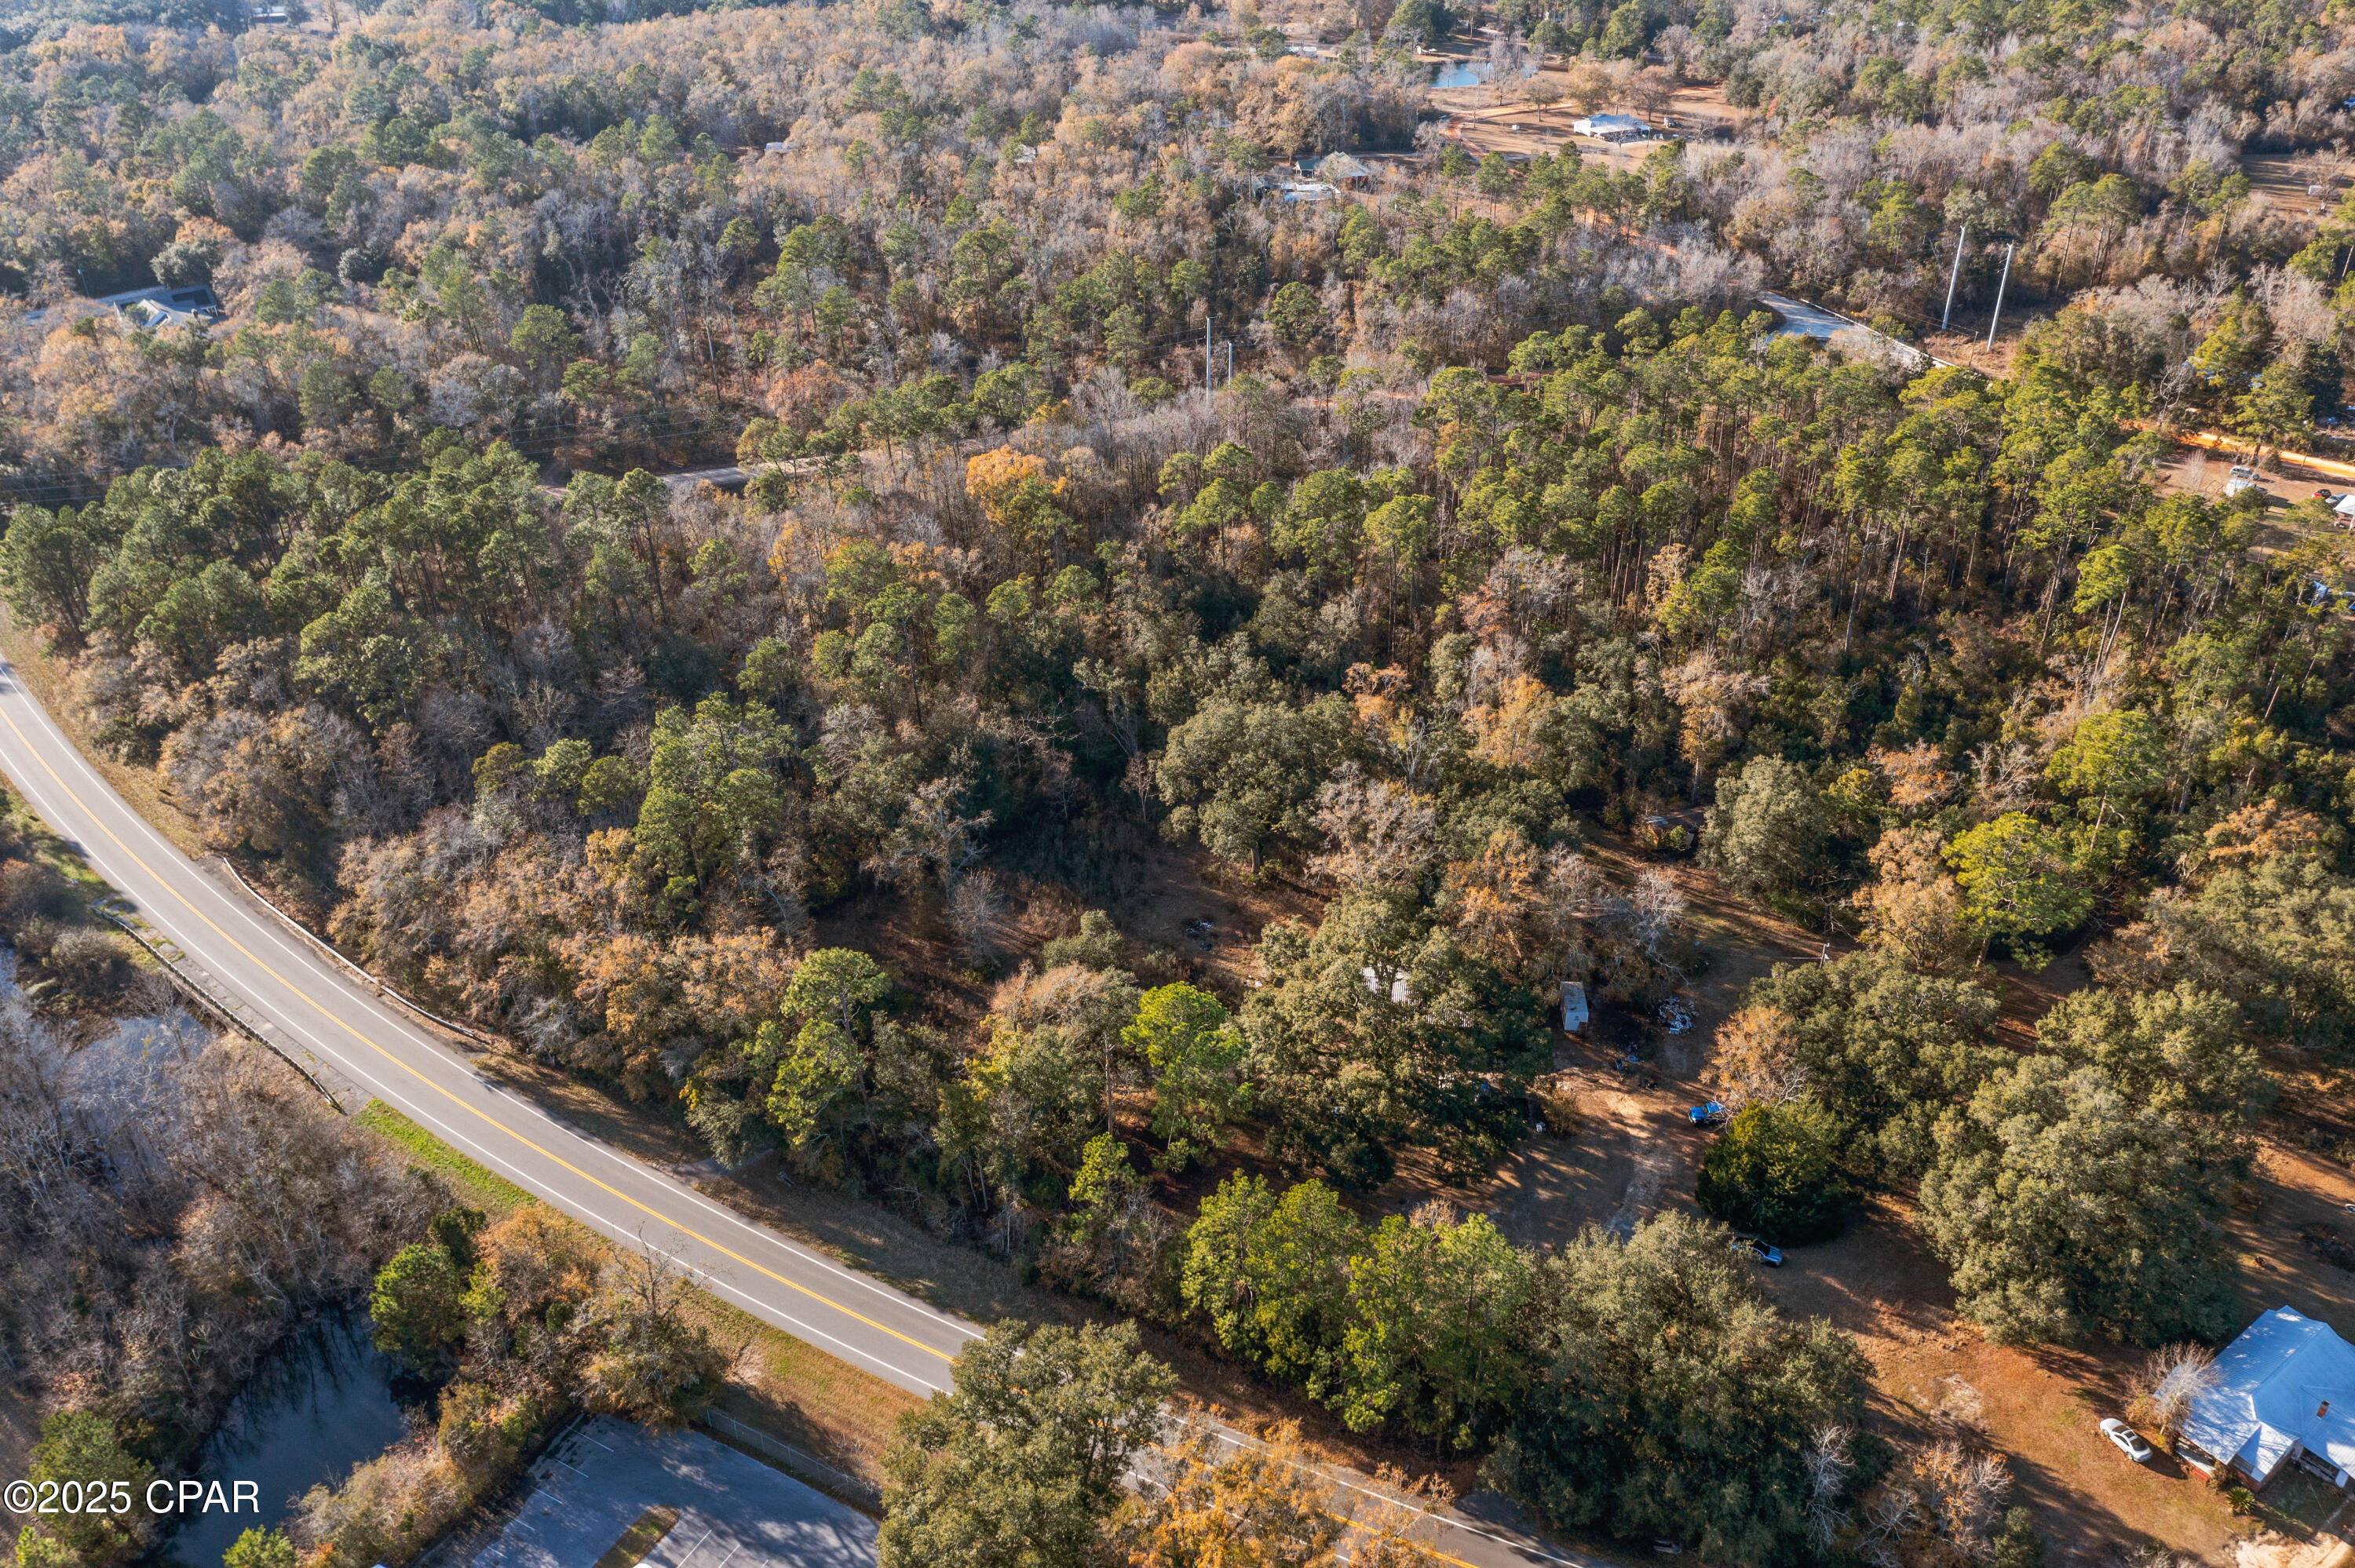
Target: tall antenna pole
1998 317
1206 351
1231 362
1953 274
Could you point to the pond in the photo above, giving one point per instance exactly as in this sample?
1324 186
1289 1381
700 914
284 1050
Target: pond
320 1403
1461 73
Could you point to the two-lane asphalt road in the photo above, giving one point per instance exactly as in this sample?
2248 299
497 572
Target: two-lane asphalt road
303 997
302 992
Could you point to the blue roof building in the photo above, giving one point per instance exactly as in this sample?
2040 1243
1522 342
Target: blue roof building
2283 1392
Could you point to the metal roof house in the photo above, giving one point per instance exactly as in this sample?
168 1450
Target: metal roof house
1661 828
1609 127
1340 169
166 306
2283 1392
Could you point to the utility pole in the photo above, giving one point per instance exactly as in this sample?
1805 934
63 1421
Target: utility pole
1953 274
1994 319
1231 362
1206 351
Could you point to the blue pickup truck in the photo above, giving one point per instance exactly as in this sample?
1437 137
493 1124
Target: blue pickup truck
1709 1115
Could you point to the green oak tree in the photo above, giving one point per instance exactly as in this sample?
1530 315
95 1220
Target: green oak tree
1776 1170
1019 1465
2069 1208
1192 1053
1272 1275
1667 1398
1433 1342
1766 832
2018 881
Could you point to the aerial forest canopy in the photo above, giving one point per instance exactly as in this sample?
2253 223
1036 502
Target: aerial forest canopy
497 220
1116 502
1514 521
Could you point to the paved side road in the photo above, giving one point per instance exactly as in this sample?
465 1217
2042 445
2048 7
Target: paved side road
1800 319
302 999
734 1512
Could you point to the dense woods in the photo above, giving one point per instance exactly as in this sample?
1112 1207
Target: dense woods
1514 522
503 221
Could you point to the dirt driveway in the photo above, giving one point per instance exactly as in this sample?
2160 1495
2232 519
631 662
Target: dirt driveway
1632 1152
1935 1376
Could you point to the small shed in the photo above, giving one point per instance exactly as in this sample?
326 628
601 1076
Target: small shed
1399 992
1573 1007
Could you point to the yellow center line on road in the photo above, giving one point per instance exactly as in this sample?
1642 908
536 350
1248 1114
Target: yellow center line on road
1432 1551
551 1156
475 1111
1239 1440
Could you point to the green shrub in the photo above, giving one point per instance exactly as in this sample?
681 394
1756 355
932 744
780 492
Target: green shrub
1775 1170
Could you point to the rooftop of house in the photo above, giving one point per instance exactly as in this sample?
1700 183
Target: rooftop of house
166 306
2288 1380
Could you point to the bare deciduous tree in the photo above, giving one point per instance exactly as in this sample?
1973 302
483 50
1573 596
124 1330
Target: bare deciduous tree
2171 1378
1382 833
1938 1506
976 908
1829 1464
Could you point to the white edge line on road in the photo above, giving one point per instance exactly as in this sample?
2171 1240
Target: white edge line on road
281 939
438 1054
775 1316
1236 1440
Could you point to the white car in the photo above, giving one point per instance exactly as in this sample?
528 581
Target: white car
2129 1441
2239 480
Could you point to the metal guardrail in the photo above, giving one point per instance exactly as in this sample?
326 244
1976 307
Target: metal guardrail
803 1466
328 950
190 979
